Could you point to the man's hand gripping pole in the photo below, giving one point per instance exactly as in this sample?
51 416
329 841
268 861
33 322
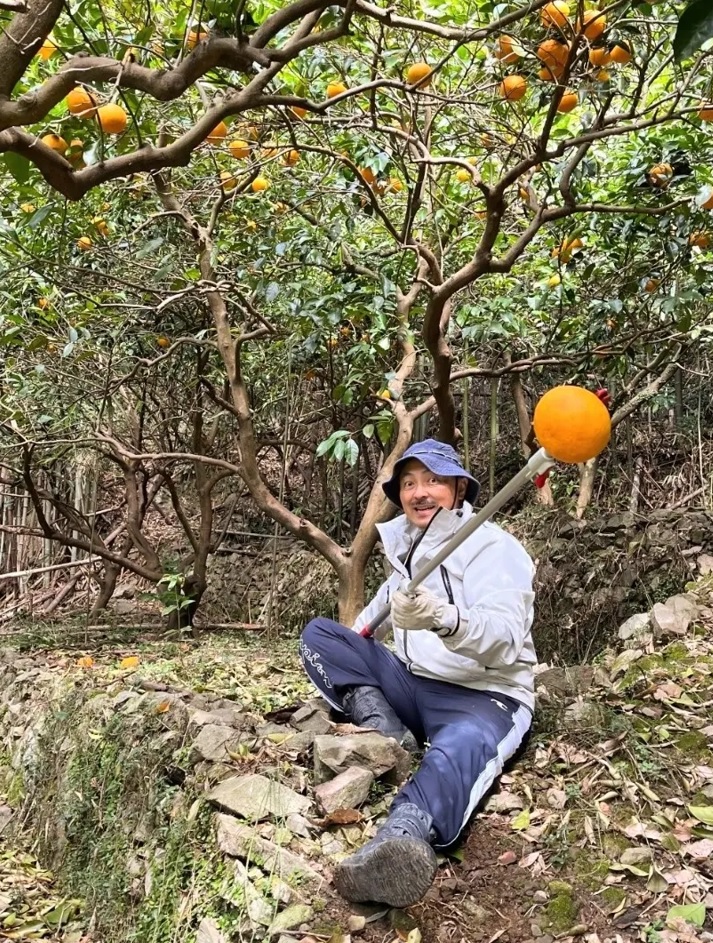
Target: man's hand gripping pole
536 465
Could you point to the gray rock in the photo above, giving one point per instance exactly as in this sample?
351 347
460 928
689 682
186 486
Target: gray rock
705 564
348 790
241 841
356 923
6 814
311 718
121 699
125 607
126 591
212 744
290 918
299 825
639 624
372 751
583 713
256 797
674 616
208 932
566 681
198 718
331 845
298 742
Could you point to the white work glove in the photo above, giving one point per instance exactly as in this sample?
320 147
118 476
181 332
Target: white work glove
422 610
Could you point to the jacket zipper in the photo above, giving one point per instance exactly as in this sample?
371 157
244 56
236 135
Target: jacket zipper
407 564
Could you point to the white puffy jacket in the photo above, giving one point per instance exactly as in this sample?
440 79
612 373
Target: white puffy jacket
489 579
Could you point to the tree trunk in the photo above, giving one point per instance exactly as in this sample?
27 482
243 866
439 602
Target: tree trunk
351 589
587 473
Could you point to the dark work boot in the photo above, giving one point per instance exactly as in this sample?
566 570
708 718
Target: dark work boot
397 866
367 707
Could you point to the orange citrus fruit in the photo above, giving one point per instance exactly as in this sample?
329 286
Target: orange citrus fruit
567 248
660 175
554 54
554 14
651 284
395 184
291 157
195 36
112 119
298 111
227 181
84 243
239 149
163 341
367 175
463 175
28 207
572 424
602 75
47 49
548 74
621 54
598 55
55 143
513 87
707 203
80 103
593 24
218 134
259 184
705 113
417 72
335 88
554 280
569 100
508 49
700 239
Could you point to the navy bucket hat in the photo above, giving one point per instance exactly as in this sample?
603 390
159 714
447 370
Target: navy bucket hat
438 457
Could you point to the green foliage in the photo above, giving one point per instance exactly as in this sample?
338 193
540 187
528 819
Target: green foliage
695 27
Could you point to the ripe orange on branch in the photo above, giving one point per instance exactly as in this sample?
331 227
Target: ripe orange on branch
553 53
599 55
660 175
508 49
568 102
196 36
112 119
572 424
701 240
239 149
84 243
47 49
554 14
705 113
259 184
621 54
218 134
336 88
513 87
80 103
55 143
592 24
417 72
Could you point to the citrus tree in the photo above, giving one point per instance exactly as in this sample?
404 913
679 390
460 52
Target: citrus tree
378 202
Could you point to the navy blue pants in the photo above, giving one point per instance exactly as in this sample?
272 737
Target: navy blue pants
471 733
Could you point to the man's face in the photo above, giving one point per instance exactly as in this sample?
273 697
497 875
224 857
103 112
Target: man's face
422 493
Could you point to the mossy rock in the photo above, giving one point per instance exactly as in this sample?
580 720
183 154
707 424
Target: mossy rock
693 744
591 872
612 898
561 912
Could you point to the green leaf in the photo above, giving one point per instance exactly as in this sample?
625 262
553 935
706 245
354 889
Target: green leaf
695 27
703 813
695 914
521 821
18 166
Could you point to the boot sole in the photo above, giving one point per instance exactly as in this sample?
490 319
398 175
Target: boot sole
397 871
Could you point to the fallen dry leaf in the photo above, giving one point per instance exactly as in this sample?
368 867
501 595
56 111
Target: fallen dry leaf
131 661
86 661
163 707
340 817
507 857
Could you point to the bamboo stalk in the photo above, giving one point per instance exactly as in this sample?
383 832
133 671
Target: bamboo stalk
494 385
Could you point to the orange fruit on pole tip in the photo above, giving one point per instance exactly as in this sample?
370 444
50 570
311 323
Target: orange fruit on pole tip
569 101
335 88
554 14
513 87
55 143
419 72
112 119
572 424
218 133
80 103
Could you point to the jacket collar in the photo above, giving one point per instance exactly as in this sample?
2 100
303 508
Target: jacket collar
398 535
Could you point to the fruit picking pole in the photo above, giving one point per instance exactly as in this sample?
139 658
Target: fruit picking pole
537 463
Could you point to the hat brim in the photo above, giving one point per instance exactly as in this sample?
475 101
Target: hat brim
392 490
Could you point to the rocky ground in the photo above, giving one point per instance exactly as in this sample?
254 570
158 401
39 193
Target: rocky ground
197 792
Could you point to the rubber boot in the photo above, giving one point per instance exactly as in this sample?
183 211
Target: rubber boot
366 706
397 866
